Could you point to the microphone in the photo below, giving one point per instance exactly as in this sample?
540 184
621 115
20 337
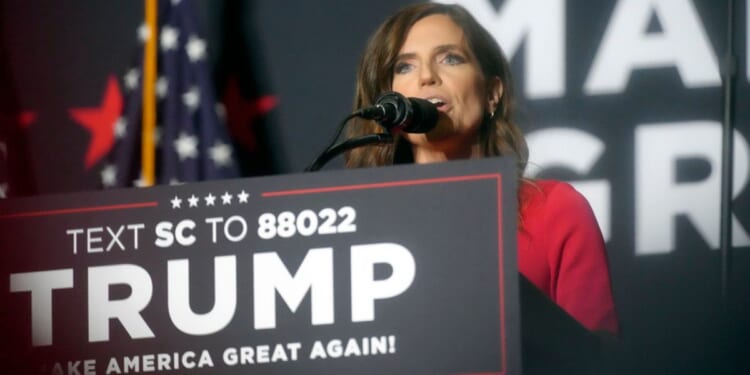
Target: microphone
396 112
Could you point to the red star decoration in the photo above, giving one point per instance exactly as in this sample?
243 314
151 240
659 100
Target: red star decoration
100 122
242 113
21 120
26 118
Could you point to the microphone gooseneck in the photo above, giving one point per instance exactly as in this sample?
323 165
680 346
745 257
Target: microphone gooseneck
394 112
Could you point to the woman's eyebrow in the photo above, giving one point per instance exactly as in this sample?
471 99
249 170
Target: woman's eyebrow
439 49
406 56
448 47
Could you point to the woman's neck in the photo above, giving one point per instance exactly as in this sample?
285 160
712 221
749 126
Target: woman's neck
425 155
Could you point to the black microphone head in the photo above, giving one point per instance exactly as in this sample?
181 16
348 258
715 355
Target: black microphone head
412 115
424 116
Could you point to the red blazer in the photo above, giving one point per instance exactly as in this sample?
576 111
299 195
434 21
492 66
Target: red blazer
561 251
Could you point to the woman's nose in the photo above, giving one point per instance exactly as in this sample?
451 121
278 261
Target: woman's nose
428 75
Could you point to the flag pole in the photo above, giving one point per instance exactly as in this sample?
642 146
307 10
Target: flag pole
725 222
148 152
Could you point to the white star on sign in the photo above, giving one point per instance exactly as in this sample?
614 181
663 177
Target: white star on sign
226 198
144 32
195 48
132 78
162 87
193 201
176 202
221 154
169 38
121 127
192 98
242 196
210 198
109 175
186 146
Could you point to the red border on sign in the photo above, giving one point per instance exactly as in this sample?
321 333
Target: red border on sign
426 181
77 210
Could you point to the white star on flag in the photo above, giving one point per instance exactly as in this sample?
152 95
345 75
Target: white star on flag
157 134
242 196
144 32
188 129
221 154
186 146
109 175
140 182
193 201
192 98
121 127
169 38
162 87
221 111
176 202
210 198
195 48
226 198
132 78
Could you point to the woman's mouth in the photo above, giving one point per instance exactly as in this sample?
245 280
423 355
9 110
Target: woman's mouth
439 103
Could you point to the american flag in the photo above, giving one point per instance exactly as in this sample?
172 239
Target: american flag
191 139
15 164
3 166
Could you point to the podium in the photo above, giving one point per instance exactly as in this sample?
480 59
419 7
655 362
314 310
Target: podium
400 270
553 342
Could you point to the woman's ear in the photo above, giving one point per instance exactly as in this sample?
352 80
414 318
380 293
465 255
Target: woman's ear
494 92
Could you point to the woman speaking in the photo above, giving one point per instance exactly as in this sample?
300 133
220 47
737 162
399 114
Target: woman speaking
440 53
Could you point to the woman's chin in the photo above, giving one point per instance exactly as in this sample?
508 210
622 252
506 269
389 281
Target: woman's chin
433 137
443 130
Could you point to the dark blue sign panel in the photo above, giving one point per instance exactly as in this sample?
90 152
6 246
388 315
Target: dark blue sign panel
401 270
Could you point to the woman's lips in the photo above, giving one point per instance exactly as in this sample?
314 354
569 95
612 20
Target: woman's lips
440 102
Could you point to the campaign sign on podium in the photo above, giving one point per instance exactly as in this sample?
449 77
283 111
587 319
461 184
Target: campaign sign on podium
398 270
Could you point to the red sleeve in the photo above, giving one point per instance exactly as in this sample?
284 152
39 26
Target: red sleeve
579 280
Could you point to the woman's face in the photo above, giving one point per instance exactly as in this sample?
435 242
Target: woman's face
435 64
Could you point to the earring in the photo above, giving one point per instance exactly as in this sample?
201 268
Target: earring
492 114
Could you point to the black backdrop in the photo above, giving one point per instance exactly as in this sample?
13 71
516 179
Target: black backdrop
644 151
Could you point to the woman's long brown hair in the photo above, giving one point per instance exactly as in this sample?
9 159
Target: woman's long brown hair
498 134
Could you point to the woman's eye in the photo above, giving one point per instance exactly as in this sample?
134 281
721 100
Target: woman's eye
402 67
453 59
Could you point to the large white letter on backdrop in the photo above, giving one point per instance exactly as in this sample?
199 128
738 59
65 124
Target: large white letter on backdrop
541 24
660 198
628 46
578 151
